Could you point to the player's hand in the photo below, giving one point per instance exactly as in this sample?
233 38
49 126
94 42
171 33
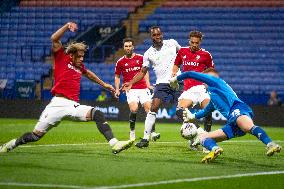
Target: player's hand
117 93
72 26
174 83
109 87
126 87
196 141
151 87
187 115
174 74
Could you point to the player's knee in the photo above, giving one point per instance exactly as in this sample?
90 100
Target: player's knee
38 133
202 137
147 109
98 116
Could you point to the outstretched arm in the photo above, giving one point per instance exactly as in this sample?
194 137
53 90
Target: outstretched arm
147 79
188 116
116 85
56 36
205 78
204 112
174 70
93 77
127 86
139 76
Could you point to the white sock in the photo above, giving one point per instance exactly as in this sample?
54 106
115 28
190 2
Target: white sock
149 122
112 141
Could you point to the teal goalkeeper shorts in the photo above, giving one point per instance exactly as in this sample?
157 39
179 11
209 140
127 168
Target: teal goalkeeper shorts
231 129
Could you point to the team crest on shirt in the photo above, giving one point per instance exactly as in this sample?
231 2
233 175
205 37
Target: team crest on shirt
137 61
197 57
125 64
184 57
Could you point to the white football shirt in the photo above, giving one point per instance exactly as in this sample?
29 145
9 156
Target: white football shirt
162 60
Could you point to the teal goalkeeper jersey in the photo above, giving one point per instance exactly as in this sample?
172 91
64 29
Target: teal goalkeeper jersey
222 95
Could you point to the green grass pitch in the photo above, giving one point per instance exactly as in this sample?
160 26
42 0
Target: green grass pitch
75 155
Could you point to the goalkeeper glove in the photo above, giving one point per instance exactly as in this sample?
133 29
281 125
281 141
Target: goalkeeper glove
187 115
174 83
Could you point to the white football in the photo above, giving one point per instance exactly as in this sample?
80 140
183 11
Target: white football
188 130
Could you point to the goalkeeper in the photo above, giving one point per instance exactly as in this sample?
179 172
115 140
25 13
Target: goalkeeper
224 99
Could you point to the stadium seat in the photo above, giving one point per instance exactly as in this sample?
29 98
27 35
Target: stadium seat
250 52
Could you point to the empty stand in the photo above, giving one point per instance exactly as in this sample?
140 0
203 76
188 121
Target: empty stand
246 42
26 29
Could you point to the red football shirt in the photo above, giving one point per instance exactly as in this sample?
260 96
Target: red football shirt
193 61
129 67
67 77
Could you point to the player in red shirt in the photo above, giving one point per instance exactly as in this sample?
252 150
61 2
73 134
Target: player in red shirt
193 58
128 66
68 69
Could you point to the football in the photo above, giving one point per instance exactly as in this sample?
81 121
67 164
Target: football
188 130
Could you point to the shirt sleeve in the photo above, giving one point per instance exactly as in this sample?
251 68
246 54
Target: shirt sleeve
178 59
202 113
83 69
176 45
58 54
146 61
117 68
205 78
209 61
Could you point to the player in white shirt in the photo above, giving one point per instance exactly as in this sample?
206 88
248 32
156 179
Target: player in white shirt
161 56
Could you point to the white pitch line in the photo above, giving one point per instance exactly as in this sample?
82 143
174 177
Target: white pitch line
165 142
190 180
143 184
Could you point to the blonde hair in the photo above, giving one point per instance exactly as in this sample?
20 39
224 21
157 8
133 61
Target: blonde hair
74 47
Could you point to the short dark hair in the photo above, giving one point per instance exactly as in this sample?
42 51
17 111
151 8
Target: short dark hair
210 70
196 33
128 39
153 27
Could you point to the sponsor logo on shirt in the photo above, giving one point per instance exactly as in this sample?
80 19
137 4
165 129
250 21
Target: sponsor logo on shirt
132 69
197 57
70 66
186 63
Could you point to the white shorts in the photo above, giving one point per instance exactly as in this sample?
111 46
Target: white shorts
139 95
61 108
196 93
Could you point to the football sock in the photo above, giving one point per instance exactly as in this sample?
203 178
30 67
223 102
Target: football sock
208 122
132 120
149 122
260 134
27 137
179 113
209 144
102 124
105 129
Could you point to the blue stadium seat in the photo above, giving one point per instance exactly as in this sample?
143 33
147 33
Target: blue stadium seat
252 51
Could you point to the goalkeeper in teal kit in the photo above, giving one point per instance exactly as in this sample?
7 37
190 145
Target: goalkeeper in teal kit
238 114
